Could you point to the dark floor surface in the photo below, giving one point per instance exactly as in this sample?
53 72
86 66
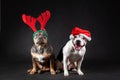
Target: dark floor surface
17 71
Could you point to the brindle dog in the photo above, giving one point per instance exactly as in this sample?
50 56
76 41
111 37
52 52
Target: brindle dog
41 51
42 54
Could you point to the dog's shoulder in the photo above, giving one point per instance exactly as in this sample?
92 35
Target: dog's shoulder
69 43
33 49
48 48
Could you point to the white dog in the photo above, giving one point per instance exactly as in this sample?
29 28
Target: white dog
74 51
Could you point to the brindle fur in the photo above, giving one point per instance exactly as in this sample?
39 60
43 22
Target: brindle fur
41 47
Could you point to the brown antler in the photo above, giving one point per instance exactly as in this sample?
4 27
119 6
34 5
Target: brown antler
30 21
43 19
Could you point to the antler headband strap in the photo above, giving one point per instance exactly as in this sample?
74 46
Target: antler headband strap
44 32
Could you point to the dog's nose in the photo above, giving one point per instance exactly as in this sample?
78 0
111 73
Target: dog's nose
78 42
40 39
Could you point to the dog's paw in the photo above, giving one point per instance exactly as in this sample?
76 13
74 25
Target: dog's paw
74 69
57 71
33 71
39 71
80 72
29 70
66 73
53 72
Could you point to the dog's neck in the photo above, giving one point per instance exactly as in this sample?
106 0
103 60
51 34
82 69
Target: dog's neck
40 48
42 45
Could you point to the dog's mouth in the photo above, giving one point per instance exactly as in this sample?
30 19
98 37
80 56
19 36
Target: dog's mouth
78 47
40 42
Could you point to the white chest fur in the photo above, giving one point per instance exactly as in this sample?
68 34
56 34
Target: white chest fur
74 57
72 54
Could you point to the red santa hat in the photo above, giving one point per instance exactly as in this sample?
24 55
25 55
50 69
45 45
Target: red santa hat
82 32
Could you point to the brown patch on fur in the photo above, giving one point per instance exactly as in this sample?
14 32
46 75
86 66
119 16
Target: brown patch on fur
42 48
48 65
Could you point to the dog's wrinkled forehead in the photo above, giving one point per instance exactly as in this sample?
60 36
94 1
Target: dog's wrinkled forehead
73 37
38 35
78 37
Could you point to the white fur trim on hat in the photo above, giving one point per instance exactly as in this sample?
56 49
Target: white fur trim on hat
71 36
88 38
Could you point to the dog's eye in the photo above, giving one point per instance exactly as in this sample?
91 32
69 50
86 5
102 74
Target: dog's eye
75 36
37 34
44 37
84 39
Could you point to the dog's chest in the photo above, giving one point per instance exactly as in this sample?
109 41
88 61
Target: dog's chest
74 56
40 50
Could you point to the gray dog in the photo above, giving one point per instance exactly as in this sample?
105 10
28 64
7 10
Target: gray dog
41 51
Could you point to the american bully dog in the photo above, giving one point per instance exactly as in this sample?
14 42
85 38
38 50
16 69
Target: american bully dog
72 53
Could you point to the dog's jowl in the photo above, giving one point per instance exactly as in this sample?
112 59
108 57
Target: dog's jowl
41 51
74 50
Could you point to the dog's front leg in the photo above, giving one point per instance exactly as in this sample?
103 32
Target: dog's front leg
51 58
52 70
79 62
65 59
34 67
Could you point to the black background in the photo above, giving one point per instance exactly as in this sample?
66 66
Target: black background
100 17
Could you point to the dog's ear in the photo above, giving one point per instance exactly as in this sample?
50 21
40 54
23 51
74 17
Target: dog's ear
71 36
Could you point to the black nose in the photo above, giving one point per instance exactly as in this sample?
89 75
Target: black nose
40 39
77 42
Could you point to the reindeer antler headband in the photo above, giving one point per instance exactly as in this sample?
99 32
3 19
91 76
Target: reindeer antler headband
42 19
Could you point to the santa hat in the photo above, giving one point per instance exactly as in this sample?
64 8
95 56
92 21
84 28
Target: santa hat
82 32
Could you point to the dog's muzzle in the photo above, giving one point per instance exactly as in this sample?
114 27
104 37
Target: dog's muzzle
78 45
40 41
